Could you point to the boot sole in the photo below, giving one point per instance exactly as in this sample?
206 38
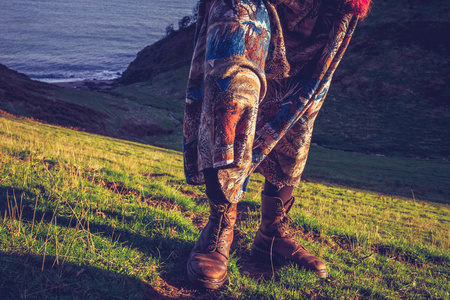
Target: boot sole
210 284
263 256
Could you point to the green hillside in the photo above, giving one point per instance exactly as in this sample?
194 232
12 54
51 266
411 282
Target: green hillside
139 113
84 216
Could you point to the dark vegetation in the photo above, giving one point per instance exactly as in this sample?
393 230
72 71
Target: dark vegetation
389 96
391 93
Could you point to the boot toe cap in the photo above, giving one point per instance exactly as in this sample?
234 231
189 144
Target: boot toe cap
207 269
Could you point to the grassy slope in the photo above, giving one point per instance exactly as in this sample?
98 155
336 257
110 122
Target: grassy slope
165 93
136 112
85 216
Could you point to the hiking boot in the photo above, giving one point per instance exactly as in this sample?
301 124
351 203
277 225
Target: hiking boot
274 243
208 261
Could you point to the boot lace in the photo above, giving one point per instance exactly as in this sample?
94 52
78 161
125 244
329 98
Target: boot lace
285 223
221 230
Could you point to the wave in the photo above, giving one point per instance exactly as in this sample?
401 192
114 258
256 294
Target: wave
76 76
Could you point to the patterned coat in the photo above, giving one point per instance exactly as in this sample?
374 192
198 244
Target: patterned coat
259 74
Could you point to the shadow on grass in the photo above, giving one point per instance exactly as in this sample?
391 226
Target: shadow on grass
24 276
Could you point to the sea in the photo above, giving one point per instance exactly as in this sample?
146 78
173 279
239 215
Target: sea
71 40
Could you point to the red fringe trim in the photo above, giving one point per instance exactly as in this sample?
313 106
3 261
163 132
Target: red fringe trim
360 7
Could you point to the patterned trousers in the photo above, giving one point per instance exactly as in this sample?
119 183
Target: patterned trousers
259 76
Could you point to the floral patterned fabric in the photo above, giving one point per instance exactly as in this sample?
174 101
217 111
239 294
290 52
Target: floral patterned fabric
259 75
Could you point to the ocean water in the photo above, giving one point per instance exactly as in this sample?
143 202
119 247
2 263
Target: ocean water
68 40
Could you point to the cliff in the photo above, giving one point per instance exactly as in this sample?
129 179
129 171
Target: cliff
173 51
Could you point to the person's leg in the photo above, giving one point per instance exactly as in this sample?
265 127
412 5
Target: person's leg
234 80
282 169
213 186
284 193
274 242
208 260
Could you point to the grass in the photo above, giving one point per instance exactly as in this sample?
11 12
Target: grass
146 112
84 216
412 178
165 94
129 117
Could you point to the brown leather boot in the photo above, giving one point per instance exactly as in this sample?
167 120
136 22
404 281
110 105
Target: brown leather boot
273 241
208 261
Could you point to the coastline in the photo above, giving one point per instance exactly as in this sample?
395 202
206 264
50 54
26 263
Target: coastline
89 84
